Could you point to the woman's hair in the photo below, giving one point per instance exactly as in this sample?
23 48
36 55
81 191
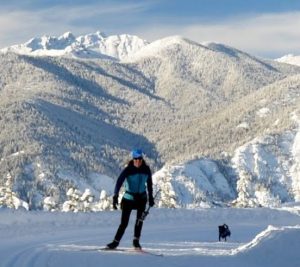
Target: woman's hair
130 162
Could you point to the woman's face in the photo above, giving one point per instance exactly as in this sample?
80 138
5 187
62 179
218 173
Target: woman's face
137 162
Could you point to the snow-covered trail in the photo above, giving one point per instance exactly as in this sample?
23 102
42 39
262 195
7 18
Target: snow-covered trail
185 237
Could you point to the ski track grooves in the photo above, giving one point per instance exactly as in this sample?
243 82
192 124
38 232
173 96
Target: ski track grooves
27 257
44 254
167 249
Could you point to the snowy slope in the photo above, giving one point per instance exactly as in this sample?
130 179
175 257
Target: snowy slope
295 170
94 45
260 237
198 183
268 170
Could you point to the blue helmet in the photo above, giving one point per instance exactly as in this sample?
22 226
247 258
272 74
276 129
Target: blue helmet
137 153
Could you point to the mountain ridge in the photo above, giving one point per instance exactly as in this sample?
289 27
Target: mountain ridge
93 45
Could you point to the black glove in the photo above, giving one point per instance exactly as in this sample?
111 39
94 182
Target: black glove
115 202
151 201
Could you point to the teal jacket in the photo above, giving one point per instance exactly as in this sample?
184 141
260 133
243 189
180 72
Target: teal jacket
137 181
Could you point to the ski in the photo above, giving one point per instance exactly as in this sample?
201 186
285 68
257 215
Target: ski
149 252
131 251
113 249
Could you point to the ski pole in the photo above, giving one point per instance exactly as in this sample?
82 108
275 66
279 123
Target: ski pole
146 212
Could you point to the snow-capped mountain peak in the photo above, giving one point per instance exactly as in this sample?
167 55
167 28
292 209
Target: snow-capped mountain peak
50 43
161 47
93 45
91 39
289 59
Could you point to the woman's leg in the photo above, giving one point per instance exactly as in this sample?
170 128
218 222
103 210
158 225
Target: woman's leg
139 223
124 222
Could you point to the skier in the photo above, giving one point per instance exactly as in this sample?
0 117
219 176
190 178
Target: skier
137 175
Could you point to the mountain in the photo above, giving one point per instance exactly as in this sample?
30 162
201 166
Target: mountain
95 45
290 59
199 111
202 84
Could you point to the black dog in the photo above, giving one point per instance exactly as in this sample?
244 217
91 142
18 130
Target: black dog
224 231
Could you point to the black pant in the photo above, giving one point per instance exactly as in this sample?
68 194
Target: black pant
127 207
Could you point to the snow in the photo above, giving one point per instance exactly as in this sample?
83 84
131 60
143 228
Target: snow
295 169
185 234
158 48
267 169
263 112
192 184
186 237
262 173
93 45
289 59
243 125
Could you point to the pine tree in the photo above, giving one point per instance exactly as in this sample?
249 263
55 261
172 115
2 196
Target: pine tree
8 198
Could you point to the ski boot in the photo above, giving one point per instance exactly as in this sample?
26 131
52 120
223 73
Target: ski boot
136 243
113 244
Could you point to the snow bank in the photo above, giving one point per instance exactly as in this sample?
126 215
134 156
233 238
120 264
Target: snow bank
275 246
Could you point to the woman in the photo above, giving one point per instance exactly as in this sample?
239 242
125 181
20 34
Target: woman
137 176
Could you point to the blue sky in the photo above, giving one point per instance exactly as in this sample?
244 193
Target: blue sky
266 28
